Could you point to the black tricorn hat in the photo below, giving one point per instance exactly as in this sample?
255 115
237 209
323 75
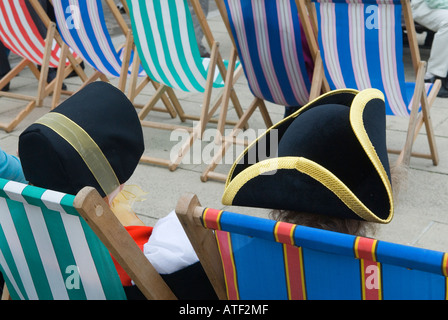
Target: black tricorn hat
329 157
94 138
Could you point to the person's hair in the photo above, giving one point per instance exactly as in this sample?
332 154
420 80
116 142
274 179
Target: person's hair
348 226
399 176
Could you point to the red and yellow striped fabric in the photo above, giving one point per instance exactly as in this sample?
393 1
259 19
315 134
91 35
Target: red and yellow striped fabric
210 219
19 33
365 250
445 273
293 259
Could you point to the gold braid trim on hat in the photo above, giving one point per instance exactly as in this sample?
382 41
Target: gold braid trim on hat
316 171
86 147
293 115
356 120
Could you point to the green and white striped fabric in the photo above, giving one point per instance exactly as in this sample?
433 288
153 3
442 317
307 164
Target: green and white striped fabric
165 39
47 251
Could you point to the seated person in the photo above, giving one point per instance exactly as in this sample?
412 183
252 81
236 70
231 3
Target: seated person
11 168
95 138
329 169
5 66
433 15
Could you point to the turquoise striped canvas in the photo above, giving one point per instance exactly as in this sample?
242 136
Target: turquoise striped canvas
48 252
166 43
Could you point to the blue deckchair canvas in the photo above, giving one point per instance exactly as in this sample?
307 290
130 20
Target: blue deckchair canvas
83 27
256 258
361 46
273 51
268 38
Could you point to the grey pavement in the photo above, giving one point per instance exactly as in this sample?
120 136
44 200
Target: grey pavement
421 215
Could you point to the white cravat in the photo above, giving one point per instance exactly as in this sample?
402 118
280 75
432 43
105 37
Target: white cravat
168 249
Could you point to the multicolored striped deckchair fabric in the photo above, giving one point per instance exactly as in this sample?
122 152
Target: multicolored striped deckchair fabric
166 44
19 33
266 259
47 251
268 38
273 51
83 27
364 49
361 45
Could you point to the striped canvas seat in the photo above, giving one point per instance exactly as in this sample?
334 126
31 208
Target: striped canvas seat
83 27
19 33
361 46
166 44
264 259
272 50
48 251
170 54
268 38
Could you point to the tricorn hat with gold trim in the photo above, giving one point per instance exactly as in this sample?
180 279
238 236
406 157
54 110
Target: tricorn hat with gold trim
94 138
329 157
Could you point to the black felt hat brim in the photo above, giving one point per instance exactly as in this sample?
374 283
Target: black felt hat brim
331 158
108 117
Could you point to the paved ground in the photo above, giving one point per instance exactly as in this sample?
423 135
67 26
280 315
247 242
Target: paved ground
421 215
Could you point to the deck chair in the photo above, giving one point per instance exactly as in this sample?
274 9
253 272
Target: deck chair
19 33
82 25
267 36
55 246
252 258
167 47
362 47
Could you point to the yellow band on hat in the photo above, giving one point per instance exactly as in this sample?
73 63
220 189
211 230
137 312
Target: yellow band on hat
235 183
86 147
310 168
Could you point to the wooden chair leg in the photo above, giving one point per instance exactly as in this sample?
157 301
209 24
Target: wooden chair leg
226 95
14 72
426 117
227 141
59 77
125 62
208 88
405 155
45 64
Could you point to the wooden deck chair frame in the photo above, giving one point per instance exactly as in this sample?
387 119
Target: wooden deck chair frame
420 98
318 83
369 269
95 211
127 49
209 108
44 89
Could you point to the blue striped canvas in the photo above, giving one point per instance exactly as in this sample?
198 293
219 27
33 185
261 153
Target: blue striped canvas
361 46
82 26
270 46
